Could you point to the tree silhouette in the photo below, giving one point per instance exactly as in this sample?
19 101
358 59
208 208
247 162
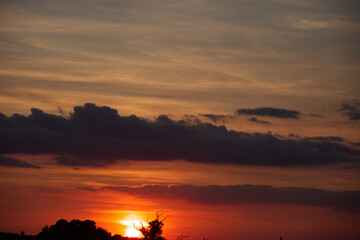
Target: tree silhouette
74 230
81 230
154 230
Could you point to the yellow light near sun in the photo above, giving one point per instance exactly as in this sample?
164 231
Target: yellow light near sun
133 225
132 232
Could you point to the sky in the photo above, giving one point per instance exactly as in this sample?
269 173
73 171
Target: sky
237 119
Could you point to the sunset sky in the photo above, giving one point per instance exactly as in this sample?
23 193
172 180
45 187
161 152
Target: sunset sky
237 119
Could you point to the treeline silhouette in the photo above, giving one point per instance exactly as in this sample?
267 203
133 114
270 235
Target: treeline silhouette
86 230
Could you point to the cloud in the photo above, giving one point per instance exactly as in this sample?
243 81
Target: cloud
15 163
247 194
357 144
145 44
87 188
327 138
191 119
329 24
255 120
351 111
99 136
217 117
269 112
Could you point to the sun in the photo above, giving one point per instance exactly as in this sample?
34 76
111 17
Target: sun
133 226
132 232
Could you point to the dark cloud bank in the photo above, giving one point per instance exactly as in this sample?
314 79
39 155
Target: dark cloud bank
247 194
15 163
97 136
269 112
351 111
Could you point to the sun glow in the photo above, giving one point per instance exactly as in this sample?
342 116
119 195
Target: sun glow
132 232
132 226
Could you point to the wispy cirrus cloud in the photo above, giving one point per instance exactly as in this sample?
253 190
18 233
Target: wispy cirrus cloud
329 24
131 53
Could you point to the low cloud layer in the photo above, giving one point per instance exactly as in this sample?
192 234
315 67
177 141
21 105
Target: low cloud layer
15 163
216 118
247 194
255 120
327 138
269 112
98 136
351 111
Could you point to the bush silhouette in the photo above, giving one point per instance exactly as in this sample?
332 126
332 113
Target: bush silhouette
154 230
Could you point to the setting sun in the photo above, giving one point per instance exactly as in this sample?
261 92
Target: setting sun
132 226
132 232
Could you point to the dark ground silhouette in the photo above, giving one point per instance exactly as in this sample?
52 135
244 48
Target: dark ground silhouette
87 230
73 230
